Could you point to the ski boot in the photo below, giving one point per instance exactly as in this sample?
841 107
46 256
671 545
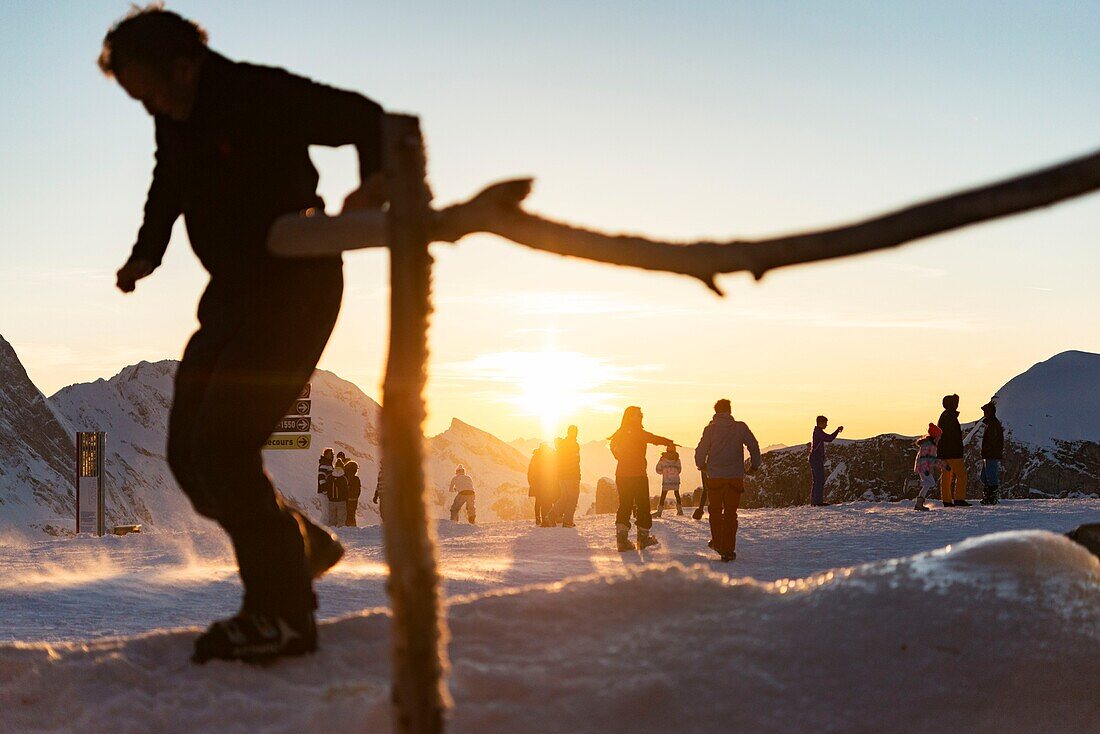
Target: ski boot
920 506
645 540
990 497
731 556
962 503
256 638
679 509
660 511
948 504
621 539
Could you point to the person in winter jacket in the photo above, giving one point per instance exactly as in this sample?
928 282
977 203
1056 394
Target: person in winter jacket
628 445
668 466
568 460
378 495
542 480
338 496
925 464
463 487
993 447
355 488
817 459
951 455
720 456
341 459
324 471
232 155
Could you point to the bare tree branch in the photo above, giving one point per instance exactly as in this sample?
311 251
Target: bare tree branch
497 210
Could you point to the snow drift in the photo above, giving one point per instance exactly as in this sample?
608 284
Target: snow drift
998 633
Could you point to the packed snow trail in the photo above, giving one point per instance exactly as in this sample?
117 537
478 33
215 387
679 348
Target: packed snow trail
83 588
994 634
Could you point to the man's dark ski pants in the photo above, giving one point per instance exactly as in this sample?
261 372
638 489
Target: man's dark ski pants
255 349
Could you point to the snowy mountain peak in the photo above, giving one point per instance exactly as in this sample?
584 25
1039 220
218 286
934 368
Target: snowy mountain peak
36 450
1055 400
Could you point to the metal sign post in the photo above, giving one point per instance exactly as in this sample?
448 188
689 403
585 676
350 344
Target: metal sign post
91 448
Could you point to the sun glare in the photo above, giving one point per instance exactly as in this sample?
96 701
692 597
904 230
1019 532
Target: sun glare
552 386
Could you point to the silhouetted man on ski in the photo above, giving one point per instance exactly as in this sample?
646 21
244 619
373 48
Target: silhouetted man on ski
232 155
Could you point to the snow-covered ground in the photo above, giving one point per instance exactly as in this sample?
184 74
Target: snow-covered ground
555 631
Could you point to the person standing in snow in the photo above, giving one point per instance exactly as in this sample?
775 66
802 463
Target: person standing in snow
542 481
232 155
925 464
324 472
338 496
567 454
463 487
628 445
378 496
720 455
951 455
669 468
993 447
817 459
355 488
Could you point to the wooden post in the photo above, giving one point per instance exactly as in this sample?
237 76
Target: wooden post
419 631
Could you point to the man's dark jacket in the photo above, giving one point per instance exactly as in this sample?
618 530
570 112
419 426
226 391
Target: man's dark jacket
993 440
242 159
951 442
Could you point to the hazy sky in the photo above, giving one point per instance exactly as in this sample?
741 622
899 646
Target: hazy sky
673 119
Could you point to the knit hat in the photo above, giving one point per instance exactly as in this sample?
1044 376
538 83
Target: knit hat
934 431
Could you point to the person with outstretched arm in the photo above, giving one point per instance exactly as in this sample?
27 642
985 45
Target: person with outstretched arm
232 155
817 459
628 445
720 454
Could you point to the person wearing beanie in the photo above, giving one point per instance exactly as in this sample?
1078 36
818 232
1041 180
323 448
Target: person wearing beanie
950 449
669 468
925 464
463 486
993 447
337 496
720 458
355 488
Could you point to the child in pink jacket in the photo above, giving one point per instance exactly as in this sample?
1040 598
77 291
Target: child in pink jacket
926 463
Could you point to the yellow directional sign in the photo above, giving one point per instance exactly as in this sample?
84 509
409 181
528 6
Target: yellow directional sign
286 441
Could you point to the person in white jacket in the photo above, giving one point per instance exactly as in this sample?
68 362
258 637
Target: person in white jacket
669 468
463 485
